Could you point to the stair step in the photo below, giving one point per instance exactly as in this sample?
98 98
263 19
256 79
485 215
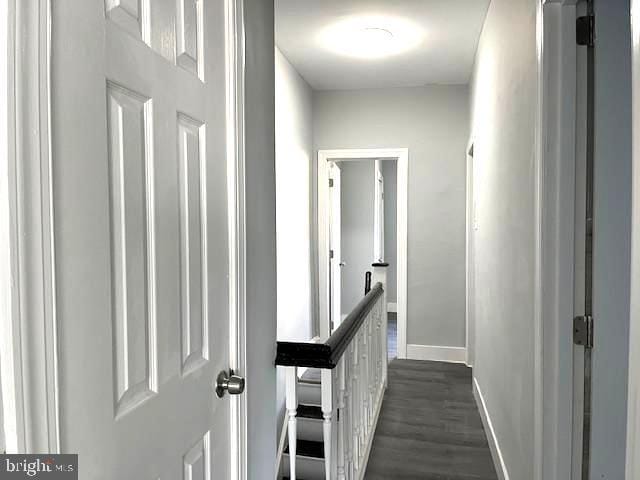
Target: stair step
312 375
309 393
309 411
308 448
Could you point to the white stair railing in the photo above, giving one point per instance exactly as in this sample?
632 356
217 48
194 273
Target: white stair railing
353 363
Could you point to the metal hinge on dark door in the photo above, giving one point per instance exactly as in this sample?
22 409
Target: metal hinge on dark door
586 30
583 331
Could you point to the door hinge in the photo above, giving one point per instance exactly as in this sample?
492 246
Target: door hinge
583 331
586 30
330 253
331 182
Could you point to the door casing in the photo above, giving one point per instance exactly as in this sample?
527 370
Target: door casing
326 156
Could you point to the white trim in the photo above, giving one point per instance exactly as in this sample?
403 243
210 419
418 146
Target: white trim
235 114
469 260
633 417
8 300
378 213
494 446
539 207
31 413
402 157
437 353
392 307
633 422
554 239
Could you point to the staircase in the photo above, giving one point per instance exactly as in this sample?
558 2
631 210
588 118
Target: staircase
332 409
310 447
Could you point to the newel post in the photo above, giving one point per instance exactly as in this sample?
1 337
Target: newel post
380 276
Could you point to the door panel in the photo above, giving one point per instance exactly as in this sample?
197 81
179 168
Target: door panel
140 209
335 240
132 246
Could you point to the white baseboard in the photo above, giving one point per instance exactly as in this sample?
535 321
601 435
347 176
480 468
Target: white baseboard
437 354
494 446
392 307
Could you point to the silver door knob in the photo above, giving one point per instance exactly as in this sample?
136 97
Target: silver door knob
231 383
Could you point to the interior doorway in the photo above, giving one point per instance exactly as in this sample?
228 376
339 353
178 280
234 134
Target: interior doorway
334 169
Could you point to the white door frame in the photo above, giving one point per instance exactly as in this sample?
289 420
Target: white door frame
470 261
633 418
30 394
235 121
402 157
335 239
378 213
554 220
29 373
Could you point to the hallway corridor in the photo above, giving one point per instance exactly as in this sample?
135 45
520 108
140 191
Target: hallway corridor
429 426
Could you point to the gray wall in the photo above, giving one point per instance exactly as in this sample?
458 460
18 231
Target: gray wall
504 87
261 239
390 174
294 150
612 237
433 122
357 198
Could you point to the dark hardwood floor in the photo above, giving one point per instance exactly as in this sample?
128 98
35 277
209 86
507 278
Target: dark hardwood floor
392 335
429 426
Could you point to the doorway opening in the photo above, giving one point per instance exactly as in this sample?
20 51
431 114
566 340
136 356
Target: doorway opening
363 232
358 226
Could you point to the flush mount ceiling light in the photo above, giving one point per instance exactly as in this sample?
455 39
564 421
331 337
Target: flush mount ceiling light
371 37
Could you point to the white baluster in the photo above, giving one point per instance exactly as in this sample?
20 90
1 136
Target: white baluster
327 411
365 384
349 416
372 363
379 349
355 403
341 419
362 382
380 276
376 343
291 381
382 358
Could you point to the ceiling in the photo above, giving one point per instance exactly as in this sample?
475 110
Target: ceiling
443 50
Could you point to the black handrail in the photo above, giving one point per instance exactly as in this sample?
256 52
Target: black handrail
328 354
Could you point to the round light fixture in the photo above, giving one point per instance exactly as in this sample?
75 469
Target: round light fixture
370 37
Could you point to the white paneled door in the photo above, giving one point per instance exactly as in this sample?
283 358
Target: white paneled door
138 113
